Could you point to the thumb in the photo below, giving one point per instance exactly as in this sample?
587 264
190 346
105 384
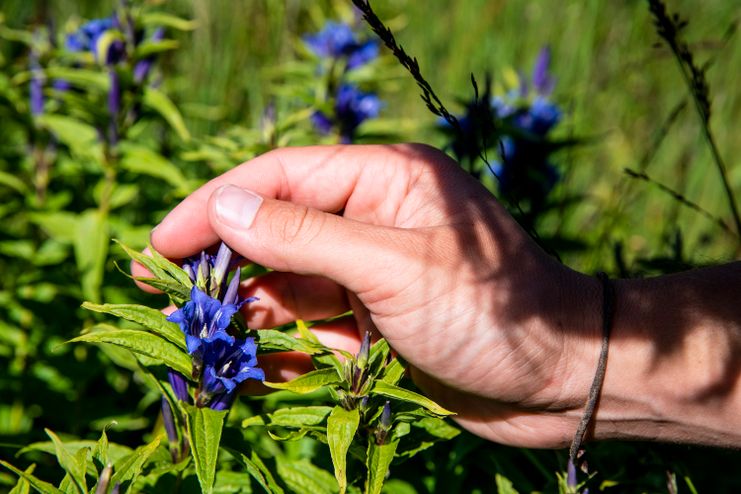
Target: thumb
294 238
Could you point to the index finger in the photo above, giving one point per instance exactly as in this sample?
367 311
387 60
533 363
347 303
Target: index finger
320 177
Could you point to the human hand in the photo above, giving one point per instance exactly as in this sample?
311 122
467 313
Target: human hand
425 256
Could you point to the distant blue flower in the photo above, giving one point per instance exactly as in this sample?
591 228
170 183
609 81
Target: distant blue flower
228 362
322 123
352 107
91 37
337 40
543 82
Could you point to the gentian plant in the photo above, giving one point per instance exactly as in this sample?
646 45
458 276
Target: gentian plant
200 355
339 51
517 125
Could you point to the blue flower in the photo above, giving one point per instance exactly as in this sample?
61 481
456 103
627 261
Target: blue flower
209 273
228 362
543 82
100 37
352 107
202 317
337 40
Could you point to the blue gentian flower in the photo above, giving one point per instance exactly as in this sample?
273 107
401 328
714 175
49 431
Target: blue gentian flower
202 317
352 107
220 361
209 272
525 118
228 362
337 40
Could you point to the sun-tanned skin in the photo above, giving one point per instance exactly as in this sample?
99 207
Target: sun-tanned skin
494 328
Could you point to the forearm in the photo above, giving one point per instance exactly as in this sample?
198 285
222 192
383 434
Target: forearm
675 359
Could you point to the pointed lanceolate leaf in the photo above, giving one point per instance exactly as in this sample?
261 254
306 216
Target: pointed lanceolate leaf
391 391
128 468
272 339
302 476
159 266
393 372
341 427
177 292
71 463
258 471
311 381
147 317
39 485
22 486
159 102
91 251
204 433
299 416
143 343
377 461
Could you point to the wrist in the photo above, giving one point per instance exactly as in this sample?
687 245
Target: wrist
671 371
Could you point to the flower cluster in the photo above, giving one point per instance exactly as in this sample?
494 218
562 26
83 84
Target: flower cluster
110 42
221 361
338 44
520 121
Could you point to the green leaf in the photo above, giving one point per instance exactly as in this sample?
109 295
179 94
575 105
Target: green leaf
146 316
39 485
60 226
504 485
12 181
161 19
79 137
144 161
341 427
272 339
377 356
100 453
204 433
377 461
177 292
391 391
437 427
159 102
82 78
23 487
128 469
115 451
258 471
91 251
302 476
393 372
303 330
311 381
70 463
299 416
148 48
143 343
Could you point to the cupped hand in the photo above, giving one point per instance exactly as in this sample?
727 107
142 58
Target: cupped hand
493 328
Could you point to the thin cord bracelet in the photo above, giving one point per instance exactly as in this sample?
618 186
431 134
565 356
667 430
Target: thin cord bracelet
608 311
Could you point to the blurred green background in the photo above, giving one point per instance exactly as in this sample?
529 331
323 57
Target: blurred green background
617 86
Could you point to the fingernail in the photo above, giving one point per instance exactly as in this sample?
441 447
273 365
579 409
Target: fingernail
236 207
